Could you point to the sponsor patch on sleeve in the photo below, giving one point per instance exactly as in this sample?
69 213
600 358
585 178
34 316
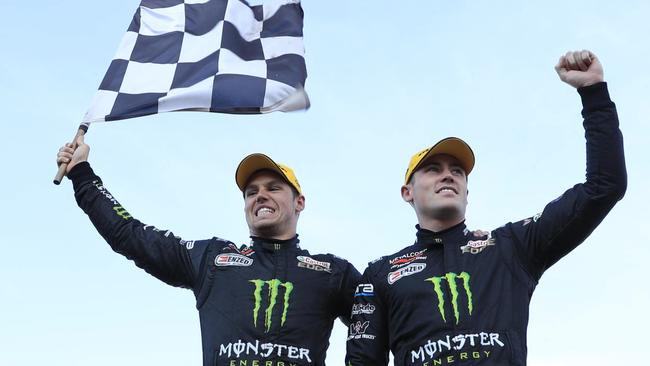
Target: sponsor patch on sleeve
532 219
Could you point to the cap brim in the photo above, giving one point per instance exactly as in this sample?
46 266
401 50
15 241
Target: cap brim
251 164
455 147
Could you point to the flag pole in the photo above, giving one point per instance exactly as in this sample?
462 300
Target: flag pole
61 173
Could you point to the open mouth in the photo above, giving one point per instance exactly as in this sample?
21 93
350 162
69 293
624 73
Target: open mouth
264 211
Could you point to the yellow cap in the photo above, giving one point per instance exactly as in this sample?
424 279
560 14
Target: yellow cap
451 146
255 162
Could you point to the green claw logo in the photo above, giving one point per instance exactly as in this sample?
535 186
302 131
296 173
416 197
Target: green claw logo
453 288
121 212
273 290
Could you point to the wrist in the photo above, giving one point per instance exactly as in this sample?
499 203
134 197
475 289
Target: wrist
591 82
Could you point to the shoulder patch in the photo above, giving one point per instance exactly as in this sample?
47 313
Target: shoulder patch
189 244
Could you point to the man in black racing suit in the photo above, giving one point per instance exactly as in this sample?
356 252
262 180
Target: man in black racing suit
455 299
268 304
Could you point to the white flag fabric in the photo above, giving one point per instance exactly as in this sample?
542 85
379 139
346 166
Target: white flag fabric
221 56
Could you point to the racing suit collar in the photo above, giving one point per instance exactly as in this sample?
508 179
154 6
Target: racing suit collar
275 244
428 238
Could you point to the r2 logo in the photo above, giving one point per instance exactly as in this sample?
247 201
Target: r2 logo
365 289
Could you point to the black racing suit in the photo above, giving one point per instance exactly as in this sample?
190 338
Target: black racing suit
267 304
455 299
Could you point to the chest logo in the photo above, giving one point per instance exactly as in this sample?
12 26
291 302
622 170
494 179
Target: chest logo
406 259
411 269
273 290
477 246
232 259
310 263
365 289
363 309
451 278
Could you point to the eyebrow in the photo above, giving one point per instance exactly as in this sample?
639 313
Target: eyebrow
274 182
451 165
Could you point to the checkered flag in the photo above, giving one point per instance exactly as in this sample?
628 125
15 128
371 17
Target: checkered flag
206 55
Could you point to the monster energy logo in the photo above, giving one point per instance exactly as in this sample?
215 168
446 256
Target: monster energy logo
121 212
451 281
273 289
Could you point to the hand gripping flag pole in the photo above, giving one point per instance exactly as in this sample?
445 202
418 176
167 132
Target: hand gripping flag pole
83 128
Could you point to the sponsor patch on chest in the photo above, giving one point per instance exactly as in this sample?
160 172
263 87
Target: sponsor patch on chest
365 289
363 309
477 246
311 263
232 259
411 269
358 331
406 259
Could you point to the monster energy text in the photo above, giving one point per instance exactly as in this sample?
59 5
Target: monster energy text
273 290
482 343
453 288
265 350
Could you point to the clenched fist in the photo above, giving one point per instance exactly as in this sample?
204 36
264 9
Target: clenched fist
579 69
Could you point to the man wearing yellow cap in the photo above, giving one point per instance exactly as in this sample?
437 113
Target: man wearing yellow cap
456 299
270 303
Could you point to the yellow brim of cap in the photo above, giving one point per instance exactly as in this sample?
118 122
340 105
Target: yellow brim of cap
257 161
450 146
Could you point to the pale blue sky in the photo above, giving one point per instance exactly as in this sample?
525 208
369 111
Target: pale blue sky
386 79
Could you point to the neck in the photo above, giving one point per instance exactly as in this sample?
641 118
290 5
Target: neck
273 235
437 225
275 240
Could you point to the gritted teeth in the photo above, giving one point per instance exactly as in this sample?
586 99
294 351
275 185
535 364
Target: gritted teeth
264 210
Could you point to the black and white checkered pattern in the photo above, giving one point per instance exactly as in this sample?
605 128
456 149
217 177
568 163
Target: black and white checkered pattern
207 55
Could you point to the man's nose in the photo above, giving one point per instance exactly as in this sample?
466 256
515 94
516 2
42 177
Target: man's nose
261 196
447 176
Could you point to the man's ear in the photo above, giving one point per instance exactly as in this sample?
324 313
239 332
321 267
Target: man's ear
300 203
407 195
